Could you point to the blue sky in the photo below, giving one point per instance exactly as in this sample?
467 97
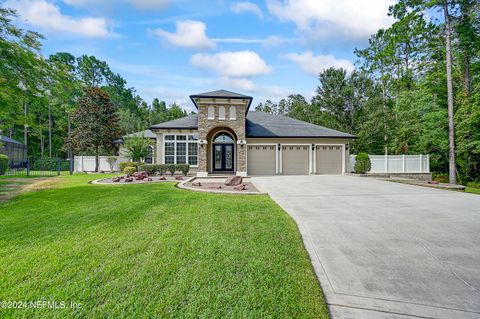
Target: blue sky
173 48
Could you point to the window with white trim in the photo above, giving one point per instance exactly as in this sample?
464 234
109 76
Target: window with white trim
181 149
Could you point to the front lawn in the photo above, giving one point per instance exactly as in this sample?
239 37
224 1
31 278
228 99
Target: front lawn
139 251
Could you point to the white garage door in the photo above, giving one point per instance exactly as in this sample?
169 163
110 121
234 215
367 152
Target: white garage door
295 160
328 159
261 160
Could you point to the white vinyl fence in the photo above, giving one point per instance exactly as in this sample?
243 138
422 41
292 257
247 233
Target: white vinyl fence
396 163
87 163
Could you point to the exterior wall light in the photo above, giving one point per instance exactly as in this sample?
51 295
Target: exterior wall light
202 142
241 143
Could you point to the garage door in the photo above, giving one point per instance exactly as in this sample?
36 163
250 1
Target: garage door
295 160
328 159
261 160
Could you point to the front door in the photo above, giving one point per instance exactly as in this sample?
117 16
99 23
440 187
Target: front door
223 157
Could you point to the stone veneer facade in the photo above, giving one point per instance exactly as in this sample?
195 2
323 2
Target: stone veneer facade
208 127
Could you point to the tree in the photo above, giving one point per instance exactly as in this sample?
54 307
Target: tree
137 147
96 124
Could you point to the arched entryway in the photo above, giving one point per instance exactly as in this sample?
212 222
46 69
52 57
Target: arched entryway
223 152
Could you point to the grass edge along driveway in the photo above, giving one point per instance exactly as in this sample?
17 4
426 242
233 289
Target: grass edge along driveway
153 251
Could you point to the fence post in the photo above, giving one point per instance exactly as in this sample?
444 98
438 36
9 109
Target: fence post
71 163
428 163
421 163
58 166
404 163
386 163
28 167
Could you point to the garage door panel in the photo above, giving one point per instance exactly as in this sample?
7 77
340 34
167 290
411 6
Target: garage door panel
295 160
261 160
328 159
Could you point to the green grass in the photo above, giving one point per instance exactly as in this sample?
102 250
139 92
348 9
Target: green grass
153 251
472 190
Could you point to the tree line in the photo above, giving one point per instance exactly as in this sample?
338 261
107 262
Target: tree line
39 96
415 89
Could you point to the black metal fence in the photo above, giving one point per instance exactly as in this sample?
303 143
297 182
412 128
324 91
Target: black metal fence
40 167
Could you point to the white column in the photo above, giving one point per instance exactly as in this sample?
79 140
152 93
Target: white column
343 159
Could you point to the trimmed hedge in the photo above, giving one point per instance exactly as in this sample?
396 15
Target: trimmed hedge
3 164
122 165
362 163
129 170
153 169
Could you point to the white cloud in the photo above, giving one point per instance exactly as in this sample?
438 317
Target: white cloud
232 64
334 18
47 16
246 6
275 40
238 83
314 64
189 34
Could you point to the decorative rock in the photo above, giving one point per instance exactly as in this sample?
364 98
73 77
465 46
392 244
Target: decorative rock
162 178
198 184
233 180
179 178
149 179
240 187
122 177
128 179
116 179
214 185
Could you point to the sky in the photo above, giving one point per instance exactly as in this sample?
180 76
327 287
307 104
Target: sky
171 49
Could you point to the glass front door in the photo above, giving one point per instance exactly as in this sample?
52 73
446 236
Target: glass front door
223 157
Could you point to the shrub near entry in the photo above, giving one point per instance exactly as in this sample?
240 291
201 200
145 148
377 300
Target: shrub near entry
362 163
128 164
3 164
129 170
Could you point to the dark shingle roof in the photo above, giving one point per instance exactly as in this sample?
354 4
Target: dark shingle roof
9 140
146 133
222 93
187 122
261 124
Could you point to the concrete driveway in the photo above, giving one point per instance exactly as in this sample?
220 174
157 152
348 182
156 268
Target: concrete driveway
386 250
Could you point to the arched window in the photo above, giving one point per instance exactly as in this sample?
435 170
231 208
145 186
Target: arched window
211 112
223 137
233 112
221 113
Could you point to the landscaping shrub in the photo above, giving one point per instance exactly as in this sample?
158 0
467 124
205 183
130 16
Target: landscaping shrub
129 170
440 177
44 164
184 168
127 164
3 164
362 163
162 168
151 169
172 168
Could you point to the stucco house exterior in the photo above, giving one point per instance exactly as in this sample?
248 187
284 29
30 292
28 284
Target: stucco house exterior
226 137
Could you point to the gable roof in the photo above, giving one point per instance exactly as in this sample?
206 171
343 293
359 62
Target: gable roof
146 133
9 140
266 125
221 93
187 122
261 124
218 94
